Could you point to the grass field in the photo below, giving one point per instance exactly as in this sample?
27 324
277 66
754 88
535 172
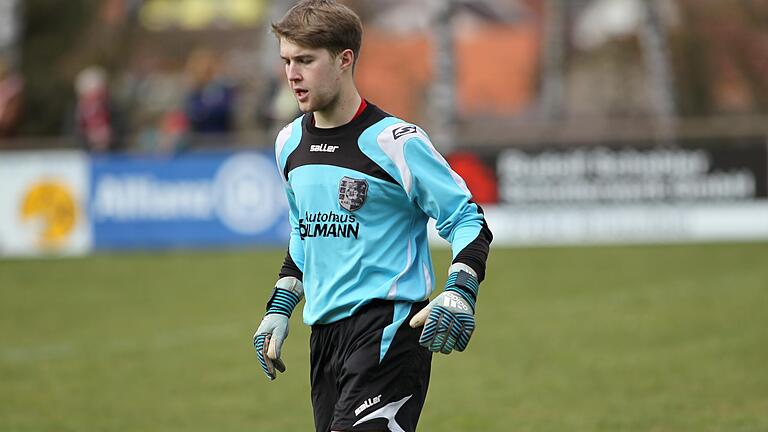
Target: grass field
648 338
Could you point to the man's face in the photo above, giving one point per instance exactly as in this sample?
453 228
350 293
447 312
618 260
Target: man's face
313 74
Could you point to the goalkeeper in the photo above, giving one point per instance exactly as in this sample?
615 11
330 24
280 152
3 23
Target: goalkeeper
361 186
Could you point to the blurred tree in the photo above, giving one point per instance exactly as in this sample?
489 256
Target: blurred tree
51 30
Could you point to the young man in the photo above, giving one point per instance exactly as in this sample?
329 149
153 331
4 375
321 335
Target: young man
361 185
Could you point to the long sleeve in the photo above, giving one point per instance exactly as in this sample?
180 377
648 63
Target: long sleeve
293 264
286 141
443 195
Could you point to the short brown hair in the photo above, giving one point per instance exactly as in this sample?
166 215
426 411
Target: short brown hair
321 24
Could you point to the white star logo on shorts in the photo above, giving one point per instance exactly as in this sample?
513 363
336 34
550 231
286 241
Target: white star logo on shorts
388 411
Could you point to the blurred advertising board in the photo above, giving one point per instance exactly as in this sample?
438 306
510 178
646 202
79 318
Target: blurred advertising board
43 203
194 200
582 194
588 175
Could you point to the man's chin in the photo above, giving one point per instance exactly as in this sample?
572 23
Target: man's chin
305 107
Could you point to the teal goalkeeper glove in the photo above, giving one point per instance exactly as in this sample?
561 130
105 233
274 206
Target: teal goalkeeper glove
449 319
269 337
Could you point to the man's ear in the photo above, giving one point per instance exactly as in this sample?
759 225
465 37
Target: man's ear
347 59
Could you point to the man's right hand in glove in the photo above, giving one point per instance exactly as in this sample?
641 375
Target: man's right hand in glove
269 337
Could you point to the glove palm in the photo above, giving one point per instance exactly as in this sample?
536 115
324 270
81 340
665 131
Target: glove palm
449 320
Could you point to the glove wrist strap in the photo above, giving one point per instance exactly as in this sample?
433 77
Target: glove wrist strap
455 267
287 294
463 283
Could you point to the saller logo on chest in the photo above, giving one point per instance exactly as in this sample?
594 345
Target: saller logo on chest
352 193
325 148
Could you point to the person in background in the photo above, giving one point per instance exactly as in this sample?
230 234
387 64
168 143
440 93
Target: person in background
94 116
209 103
11 97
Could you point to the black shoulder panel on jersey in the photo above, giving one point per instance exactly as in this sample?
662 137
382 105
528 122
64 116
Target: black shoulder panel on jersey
475 254
290 268
338 146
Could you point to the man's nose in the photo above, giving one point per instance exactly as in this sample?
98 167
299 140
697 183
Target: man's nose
292 73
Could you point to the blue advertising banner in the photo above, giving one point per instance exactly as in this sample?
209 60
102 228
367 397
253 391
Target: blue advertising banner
195 200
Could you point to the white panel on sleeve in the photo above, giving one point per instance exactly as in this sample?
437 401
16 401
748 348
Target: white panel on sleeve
282 138
392 144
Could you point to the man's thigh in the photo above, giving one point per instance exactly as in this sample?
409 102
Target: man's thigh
381 372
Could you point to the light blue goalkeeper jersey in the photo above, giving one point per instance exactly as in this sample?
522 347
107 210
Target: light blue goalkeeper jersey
360 197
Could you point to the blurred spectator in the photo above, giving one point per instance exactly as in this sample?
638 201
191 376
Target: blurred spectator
168 135
11 88
94 116
152 96
210 101
278 105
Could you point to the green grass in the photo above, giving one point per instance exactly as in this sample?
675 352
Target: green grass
645 338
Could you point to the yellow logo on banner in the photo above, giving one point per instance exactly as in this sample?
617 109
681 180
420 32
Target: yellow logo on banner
54 205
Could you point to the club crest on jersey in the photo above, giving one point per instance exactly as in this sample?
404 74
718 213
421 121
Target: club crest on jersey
404 130
352 193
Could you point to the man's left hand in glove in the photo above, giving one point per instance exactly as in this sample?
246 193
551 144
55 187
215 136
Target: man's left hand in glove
449 319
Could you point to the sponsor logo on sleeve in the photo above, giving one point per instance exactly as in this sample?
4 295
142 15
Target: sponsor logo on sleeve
403 130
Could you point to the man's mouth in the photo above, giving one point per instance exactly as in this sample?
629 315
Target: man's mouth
301 94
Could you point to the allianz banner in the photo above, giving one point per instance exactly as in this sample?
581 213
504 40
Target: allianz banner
194 200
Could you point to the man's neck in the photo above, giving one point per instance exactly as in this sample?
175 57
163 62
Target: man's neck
341 113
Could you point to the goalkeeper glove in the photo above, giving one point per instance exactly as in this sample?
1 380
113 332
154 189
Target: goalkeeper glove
269 337
449 320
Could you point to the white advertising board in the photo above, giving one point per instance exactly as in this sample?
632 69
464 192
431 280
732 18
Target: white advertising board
626 224
43 203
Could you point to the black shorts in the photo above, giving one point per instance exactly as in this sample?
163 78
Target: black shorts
368 372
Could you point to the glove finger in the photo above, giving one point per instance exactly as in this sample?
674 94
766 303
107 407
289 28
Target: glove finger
468 327
420 317
451 337
259 343
438 342
463 341
267 359
444 320
431 327
447 347
279 365
276 343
